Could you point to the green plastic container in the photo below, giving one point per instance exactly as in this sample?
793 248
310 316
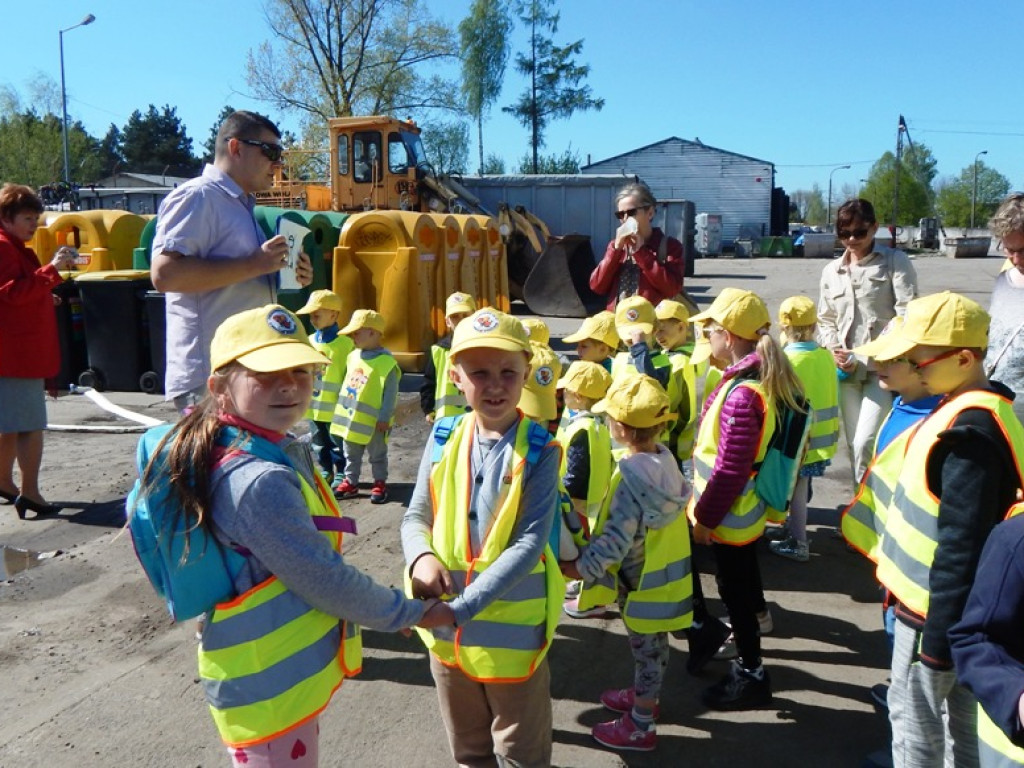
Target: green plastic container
776 246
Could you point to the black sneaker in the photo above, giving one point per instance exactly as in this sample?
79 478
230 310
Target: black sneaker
739 689
880 697
704 643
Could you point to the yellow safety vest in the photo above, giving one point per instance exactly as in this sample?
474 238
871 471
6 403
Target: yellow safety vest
508 639
663 600
358 411
622 365
599 443
995 750
682 384
745 520
911 526
448 400
269 661
816 370
863 521
328 382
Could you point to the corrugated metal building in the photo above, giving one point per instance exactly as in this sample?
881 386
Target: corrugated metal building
715 180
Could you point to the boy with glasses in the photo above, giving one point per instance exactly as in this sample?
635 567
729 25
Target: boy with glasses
209 254
960 474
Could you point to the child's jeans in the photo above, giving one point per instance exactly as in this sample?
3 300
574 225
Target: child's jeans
376 449
330 456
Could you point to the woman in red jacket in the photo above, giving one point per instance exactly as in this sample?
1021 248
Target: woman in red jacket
643 261
29 352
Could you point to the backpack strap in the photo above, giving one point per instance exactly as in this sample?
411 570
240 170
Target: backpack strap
536 437
442 430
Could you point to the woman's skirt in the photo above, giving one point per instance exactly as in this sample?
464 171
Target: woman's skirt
22 405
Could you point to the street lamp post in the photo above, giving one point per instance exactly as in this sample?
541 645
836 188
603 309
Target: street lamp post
974 191
63 95
829 206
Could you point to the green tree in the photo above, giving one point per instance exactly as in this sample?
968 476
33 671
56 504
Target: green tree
31 150
337 58
111 157
953 201
922 165
494 164
210 145
880 190
815 211
157 142
447 146
484 35
555 90
567 162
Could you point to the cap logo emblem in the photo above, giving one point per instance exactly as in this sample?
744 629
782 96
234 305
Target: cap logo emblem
458 298
632 315
281 322
544 375
485 322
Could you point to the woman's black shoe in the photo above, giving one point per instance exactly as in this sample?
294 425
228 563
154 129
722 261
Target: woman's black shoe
21 504
8 497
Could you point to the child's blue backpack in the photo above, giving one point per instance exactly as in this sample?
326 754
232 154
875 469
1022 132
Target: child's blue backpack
191 580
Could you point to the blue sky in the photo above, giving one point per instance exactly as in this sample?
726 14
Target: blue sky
806 85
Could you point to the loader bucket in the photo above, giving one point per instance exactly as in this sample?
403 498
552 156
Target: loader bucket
521 258
558 285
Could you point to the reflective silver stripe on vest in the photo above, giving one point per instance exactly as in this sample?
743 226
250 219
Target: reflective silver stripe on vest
533 587
366 409
607 580
251 625
863 514
499 635
824 414
330 386
916 516
642 609
453 401
913 569
881 490
272 682
822 441
674 571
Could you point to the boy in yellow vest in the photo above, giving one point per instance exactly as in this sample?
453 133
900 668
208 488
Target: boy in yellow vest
539 399
366 406
815 367
672 332
439 397
324 308
481 512
961 473
596 340
634 322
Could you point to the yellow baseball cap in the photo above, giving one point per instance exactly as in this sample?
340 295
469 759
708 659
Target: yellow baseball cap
634 313
587 379
459 303
264 340
879 345
798 310
667 309
600 327
537 330
740 312
364 318
636 401
538 399
940 320
489 328
701 349
322 299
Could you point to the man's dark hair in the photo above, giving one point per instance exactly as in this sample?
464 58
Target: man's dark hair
244 125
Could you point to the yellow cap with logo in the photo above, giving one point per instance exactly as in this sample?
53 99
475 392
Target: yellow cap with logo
586 379
599 327
364 318
459 303
322 299
538 399
636 401
264 340
740 312
488 328
940 320
632 314
537 330
667 309
797 311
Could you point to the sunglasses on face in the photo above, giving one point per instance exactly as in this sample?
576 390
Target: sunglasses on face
621 215
856 234
272 152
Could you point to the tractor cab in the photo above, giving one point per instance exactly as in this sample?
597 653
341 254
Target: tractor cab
376 162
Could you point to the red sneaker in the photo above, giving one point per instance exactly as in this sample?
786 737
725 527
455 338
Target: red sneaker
346 490
379 492
623 734
621 700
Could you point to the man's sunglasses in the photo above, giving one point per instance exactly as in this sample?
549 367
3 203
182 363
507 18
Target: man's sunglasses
621 215
857 234
272 152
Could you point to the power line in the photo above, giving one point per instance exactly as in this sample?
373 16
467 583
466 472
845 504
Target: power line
969 133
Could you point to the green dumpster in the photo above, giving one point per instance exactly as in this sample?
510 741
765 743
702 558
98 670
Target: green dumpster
776 246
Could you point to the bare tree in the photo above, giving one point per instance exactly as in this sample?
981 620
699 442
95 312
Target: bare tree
331 58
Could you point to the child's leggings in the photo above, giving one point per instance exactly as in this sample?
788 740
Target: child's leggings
299 748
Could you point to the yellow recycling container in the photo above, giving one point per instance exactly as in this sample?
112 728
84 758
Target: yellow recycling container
449 266
105 239
386 261
494 262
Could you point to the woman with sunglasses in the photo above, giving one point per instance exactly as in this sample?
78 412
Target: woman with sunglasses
860 292
641 259
1005 358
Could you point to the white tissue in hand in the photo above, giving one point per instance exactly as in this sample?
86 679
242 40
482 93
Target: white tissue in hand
627 228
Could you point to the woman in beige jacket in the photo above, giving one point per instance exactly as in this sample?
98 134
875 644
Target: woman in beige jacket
860 293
